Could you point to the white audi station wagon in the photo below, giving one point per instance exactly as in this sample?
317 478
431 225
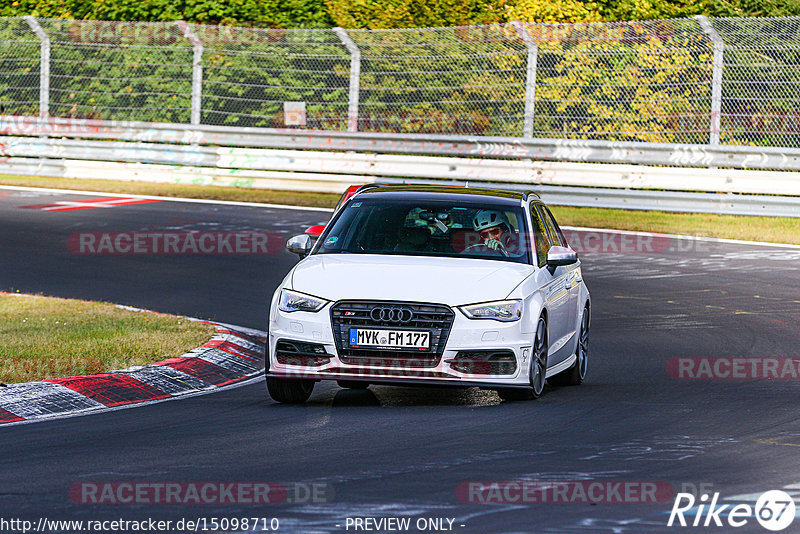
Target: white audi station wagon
439 286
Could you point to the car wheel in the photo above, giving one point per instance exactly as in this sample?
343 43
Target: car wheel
289 390
352 384
577 372
538 369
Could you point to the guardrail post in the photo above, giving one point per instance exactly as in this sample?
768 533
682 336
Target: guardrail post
716 77
530 76
44 66
197 70
355 78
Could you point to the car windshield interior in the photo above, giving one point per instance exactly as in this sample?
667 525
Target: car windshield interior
429 228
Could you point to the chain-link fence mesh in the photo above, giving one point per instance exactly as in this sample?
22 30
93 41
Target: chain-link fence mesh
629 81
248 74
19 68
463 80
761 82
633 81
119 70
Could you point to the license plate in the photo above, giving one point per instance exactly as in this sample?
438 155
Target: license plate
390 339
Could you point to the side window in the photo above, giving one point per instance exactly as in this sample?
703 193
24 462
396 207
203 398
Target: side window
556 236
354 231
541 240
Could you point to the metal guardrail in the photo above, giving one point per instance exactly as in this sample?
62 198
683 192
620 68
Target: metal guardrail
683 155
296 166
672 201
214 155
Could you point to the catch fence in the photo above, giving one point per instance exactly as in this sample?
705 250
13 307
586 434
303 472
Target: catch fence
728 81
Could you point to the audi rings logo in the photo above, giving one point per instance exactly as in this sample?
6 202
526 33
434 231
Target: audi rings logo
391 315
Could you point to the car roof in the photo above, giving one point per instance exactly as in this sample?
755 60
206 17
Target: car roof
445 193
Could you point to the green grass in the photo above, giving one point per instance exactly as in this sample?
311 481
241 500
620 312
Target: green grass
773 229
45 337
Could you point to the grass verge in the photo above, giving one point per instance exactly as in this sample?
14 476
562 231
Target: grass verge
46 337
773 229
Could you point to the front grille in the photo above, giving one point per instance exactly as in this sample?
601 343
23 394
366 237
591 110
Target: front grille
484 362
300 353
435 318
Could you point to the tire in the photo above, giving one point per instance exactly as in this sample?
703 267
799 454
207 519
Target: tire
289 390
538 369
575 375
352 384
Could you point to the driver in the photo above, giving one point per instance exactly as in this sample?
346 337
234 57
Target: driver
494 229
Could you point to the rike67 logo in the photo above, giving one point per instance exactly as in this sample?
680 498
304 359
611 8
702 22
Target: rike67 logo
774 510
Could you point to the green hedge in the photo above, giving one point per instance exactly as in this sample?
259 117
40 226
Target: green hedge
263 13
375 14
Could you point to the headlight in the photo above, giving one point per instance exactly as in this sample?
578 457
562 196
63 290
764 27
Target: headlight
501 310
292 301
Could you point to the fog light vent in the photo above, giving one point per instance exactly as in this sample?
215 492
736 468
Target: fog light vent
301 353
485 362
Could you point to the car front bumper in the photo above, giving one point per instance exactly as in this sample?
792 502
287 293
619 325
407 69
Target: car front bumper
465 336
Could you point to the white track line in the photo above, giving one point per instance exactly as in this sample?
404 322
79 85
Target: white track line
685 237
329 210
167 199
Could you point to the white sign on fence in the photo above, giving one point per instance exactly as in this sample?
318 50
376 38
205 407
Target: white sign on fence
294 113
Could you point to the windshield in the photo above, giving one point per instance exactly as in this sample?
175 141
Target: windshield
429 228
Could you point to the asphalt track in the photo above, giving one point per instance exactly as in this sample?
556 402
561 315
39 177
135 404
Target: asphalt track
403 452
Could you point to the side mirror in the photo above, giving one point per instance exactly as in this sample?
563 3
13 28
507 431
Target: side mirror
558 256
316 230
300 245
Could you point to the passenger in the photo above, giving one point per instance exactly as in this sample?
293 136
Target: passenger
413 239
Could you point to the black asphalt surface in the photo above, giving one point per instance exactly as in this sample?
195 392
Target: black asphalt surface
403 452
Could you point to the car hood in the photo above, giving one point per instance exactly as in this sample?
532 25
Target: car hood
452 281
